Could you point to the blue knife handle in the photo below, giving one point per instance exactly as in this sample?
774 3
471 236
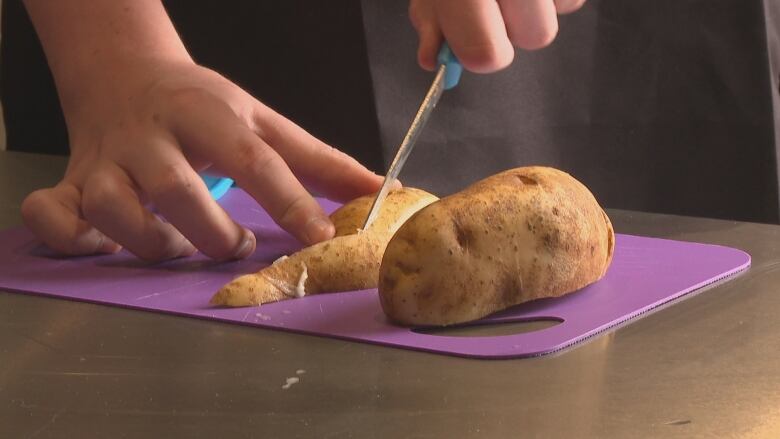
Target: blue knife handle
218 186
454 69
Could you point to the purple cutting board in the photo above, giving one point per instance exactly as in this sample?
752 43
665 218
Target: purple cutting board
645 274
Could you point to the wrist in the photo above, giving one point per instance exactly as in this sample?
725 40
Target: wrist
100 50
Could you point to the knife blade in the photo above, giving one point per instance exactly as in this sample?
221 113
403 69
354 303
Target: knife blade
447 77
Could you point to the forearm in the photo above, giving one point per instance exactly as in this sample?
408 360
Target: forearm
94 45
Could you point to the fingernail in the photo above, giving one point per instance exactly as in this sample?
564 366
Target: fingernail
98 243
319 229
106 245
109 246
187 249
247 246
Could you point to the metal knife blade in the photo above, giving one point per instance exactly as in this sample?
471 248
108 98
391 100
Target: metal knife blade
426 108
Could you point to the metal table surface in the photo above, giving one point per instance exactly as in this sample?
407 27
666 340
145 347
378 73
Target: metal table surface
708 366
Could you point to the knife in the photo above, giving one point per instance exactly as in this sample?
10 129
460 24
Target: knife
447 77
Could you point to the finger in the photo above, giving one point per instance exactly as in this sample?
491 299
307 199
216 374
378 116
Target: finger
234 149
111 204
324 169
530 24
423 18
568 6
53 216
476 32
181 196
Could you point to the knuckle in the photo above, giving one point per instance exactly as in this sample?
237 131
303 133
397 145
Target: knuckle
335 156
97 198
293 215
46 223
252 159
339 163
34 205
183 98
174 180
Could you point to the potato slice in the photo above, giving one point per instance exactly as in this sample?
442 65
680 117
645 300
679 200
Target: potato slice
520 235
349 261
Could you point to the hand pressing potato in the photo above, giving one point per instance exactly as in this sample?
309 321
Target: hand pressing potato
349 261
517 236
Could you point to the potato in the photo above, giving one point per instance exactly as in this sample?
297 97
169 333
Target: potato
349 261
520 235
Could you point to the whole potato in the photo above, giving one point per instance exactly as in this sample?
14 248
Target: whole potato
520 235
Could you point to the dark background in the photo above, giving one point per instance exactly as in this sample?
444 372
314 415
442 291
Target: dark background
656 105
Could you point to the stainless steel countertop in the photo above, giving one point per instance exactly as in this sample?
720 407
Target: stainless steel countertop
706 367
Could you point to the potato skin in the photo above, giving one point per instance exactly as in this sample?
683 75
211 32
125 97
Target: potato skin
519 235
349 261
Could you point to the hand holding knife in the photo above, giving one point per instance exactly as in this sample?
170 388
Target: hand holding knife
447 77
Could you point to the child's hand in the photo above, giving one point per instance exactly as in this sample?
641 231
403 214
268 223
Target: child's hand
140 140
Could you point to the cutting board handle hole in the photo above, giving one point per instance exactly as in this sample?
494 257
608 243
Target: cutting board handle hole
492 328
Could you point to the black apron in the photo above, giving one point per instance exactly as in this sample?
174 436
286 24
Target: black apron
657 105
